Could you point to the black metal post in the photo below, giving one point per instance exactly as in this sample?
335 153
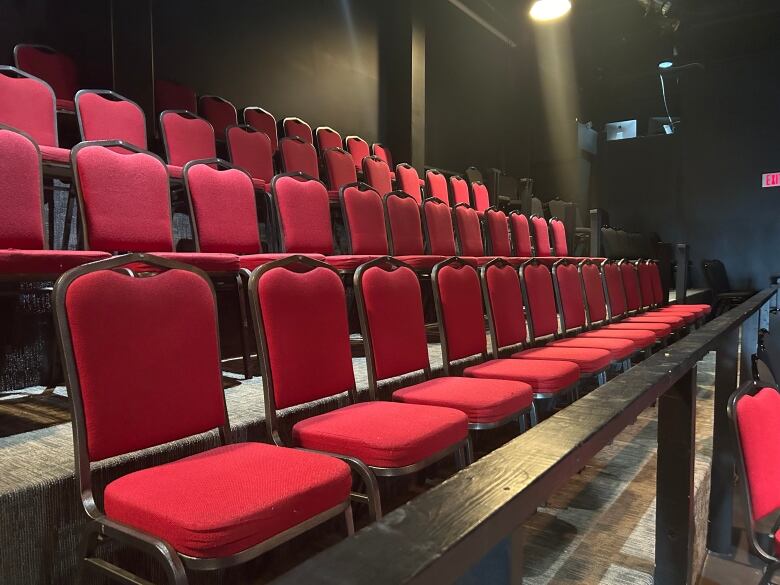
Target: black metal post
748 346
681 281
596 221
719 537
674 530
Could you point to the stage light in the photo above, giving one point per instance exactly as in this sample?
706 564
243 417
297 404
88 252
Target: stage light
544 10
665 64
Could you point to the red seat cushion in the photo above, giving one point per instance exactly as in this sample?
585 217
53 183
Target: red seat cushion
683 310
544 376
589 361
205 261
55 154
225 500
641 338
252 261
175 172
422 261
349 261
660 330
384 434
333 194
619 349
66 105
673 321
45 261
483 400
687 316
258 184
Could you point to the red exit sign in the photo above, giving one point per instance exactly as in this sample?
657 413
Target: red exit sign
770 180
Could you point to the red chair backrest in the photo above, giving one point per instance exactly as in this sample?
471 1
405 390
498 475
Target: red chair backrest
569 286
628 273
304 317
498 232
377 174
339 167
502 288
21 194
481 196
594 292
55 68
219 112
119 328
251 150
404 226
28 104
298 156
460 190
558 231
328 138
468 230
460 309
263 121
658 287
645 273
438 227
297 127
223 208
169 95
303 211
540 298
436 185
187 137
383 152
358 148
521 234
364 219
541 236
125 200
395 323
409 181
616 294
105 115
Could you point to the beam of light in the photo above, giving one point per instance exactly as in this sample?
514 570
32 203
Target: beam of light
546 10
665 64
477 18
359 65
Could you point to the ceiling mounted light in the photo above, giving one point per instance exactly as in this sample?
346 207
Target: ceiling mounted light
545 10
665 64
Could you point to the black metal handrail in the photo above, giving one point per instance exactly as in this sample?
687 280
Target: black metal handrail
441 534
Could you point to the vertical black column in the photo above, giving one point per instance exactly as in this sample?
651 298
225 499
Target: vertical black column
681 281
132 51
674 529
597 219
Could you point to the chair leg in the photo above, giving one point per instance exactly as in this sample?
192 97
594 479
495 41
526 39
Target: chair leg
349 520
468 453
68 218
533 416
244 328
87 545
601 378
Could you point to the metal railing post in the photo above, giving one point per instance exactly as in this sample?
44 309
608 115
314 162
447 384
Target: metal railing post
681 280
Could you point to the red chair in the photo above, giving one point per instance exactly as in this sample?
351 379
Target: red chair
630 277
436 186
219 112
404 227
185 137
389 302
460 315
480 196
169 95
703 310
692 314
300 317
217 508
497 225
263 121
328 138
292 127
381 151
521 234
251 150
377 174
755 415
541 237
409 181
460 190
437 222
339 169
558 232
55 68
298 156
468 235
358 149
105 115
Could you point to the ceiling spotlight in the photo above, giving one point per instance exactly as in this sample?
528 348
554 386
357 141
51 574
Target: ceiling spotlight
545 10
665 64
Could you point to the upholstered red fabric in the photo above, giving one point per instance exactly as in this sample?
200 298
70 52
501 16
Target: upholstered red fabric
358 149
640 338
482 400
111 119
28 105
469 231
436 185
544 376
409 181
252 151
572 307
304 215
541 236
758 418
299 128
659 297
619 349
498 231
349 262
460 299
395 321
219 112
404 225
55 154
209 262
558 232
615 290
377 174
305 320
66 105
644 273
169 95
364 219
588 360
660 330
116 320
126 201
481 197
630 278
460 190
224 210
187 138
421 262
438 226
383 152
541 299
252 261
339 167
671 319
384 434
521 234
506 304
594 292
42 262
299 156
55 68
21 198
225 500
263 121
328 138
